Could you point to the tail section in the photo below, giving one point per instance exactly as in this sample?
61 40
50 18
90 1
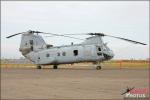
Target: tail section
31 42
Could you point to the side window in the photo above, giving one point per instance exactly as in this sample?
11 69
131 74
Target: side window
58 54
64 53
47 55
31 48
99 49
75 52
31 42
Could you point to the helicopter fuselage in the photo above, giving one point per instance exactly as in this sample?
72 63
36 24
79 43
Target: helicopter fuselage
70 54
34 48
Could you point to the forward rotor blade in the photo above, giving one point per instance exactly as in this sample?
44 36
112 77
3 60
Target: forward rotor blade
99 34
128 40
76 34
50 36
13 35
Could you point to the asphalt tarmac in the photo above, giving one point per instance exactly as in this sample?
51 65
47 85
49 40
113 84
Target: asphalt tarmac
30 83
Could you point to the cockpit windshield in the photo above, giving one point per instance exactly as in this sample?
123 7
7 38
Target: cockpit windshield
106 47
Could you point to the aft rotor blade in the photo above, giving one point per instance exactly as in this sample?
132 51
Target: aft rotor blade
13 35
62 35
132 41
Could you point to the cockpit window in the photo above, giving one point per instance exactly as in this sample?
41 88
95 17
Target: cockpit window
99 54
107 48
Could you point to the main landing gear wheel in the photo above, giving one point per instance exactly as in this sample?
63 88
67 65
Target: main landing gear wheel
98 67
55 67
39 67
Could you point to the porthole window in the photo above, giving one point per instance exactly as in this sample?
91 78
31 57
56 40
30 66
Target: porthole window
58 54
64 53
47 55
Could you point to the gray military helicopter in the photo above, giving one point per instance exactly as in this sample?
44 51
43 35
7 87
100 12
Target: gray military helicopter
92 49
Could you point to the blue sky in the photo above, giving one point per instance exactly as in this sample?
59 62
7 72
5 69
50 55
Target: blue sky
128 19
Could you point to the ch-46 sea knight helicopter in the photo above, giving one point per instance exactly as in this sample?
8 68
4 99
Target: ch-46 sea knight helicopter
92 49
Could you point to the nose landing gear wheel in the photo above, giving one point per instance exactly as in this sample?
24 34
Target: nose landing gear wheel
55 67
38 67
98 67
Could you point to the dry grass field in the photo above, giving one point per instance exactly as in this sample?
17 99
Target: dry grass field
108 64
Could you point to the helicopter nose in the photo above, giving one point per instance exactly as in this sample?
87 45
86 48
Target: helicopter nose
108 55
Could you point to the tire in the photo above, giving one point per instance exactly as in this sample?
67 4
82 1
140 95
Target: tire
55 67
39 67
98 67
